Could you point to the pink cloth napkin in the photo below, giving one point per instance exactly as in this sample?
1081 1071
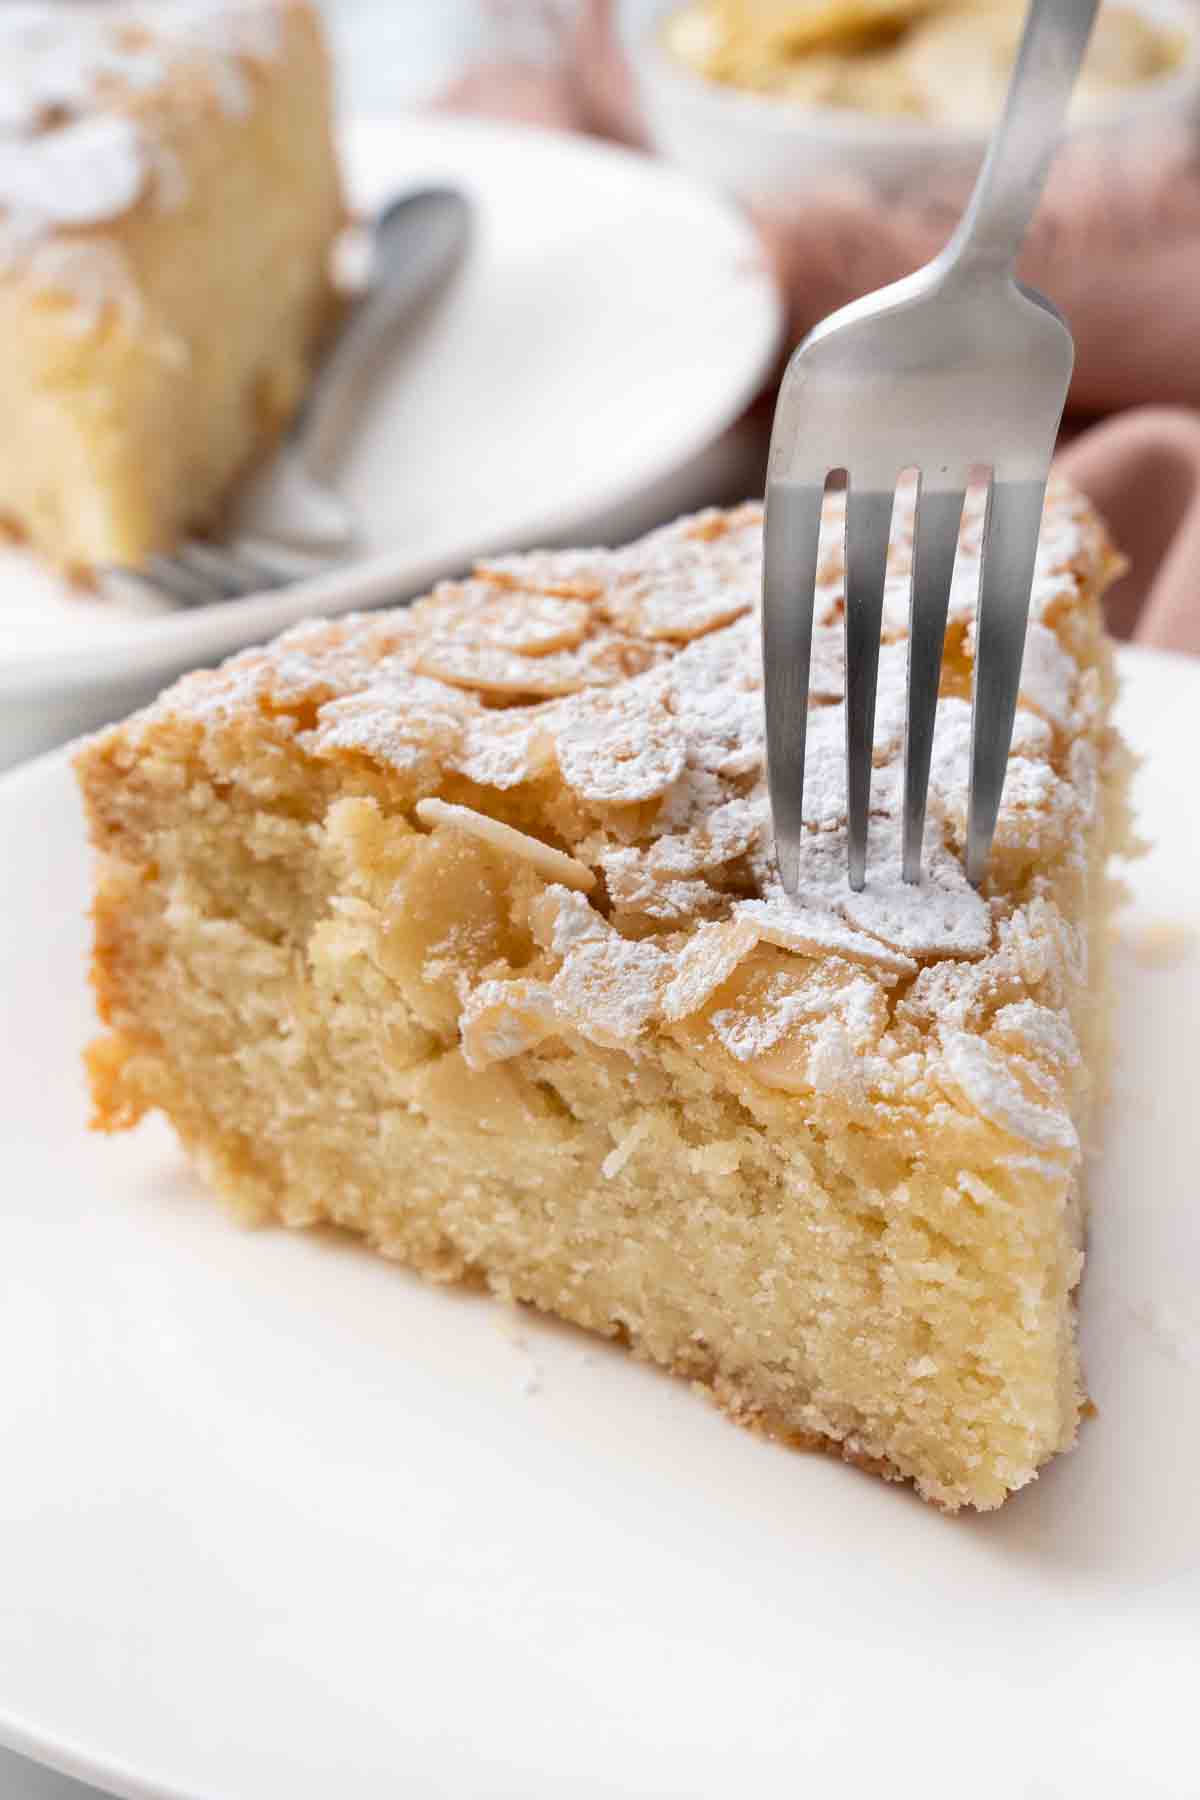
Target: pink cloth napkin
1116 243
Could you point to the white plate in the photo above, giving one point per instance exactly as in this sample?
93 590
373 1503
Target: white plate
612 320
278 1520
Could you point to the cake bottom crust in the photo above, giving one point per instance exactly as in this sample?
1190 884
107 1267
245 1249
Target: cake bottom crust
848 1205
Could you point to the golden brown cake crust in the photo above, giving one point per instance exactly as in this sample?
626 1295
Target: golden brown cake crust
505 855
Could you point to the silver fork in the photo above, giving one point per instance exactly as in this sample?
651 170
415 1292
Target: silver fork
954 367
290 519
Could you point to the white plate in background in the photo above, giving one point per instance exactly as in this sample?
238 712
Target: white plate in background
613 319
277 1519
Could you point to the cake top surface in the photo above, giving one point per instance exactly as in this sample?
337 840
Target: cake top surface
81 143
597 715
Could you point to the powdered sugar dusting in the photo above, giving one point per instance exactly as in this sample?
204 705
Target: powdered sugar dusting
987 1082
608 989
620 751
705 963
71 155
557 700
1037 1031
818 931
39 178
850 1007
1048 675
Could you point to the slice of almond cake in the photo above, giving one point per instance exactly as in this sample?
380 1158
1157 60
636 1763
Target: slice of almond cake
458 926
169 200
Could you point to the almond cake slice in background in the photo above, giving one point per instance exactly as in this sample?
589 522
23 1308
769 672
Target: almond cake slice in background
458 926
169 197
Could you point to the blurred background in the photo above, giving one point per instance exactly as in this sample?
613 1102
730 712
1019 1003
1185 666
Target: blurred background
404 52
850 132
847 132
780 157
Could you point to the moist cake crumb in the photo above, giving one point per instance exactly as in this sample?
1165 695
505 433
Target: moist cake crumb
459 926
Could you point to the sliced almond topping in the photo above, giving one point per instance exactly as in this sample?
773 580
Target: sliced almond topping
405 722
780 1009
986 1080
635 887
571 574
553 865
503 617
600 661
1037 1032
620 749
502 1019
502 748
489 669
560 919
941 916
816 932
1048 675
689 578
677 611
609 989
705 963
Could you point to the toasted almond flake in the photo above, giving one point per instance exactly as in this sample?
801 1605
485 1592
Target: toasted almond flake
488 669
816 932
985 1079
553 865
624 1148
504 749
760 1021
561 918
505 618
1037 1032
609 989
503 1019
405 722
635 887
943 915
620 749
570 574
679 612
705 962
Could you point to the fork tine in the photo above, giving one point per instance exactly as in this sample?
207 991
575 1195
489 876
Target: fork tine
276 565
790 548
868 522
935 542
133 588
182 584
1009 551
231 573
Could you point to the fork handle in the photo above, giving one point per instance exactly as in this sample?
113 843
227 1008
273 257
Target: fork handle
417 243
1023 143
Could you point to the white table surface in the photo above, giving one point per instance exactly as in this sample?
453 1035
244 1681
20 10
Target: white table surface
391 53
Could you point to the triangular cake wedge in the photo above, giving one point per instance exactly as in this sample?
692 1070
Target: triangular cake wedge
457 926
